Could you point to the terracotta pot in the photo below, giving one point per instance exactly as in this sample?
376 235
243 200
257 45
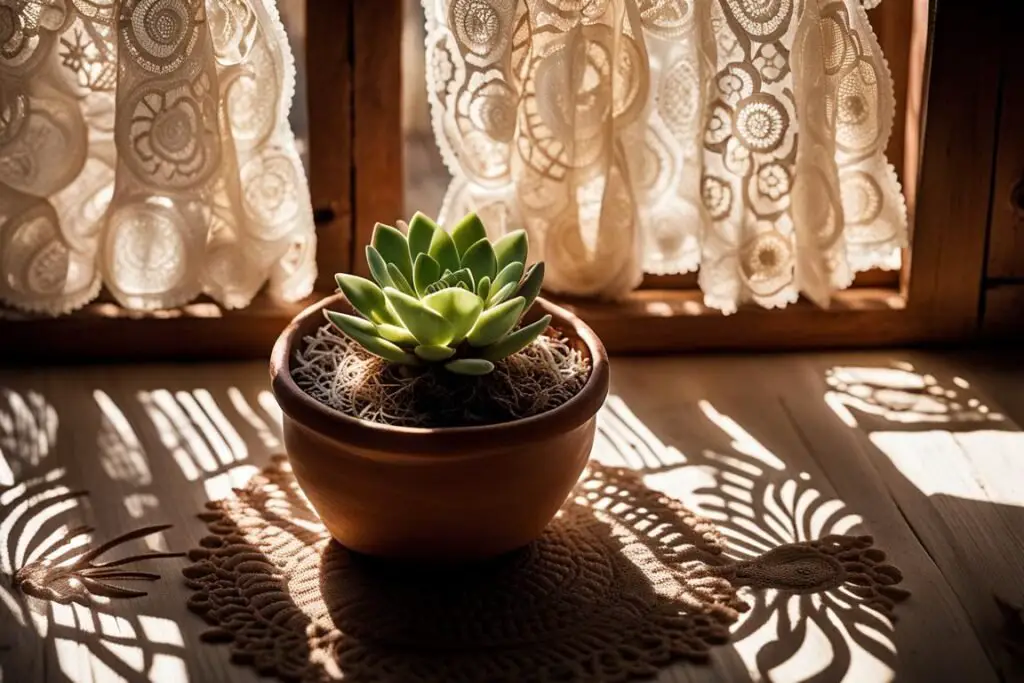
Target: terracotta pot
437 495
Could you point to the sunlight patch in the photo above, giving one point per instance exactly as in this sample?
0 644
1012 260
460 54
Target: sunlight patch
160 630
263 430
743 442
121 452
983 465
222 485
6 474
168 668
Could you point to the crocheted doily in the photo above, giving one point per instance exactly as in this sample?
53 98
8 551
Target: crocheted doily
625 580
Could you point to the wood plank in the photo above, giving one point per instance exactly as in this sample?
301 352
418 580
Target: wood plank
948 243
330 82
22 651
1004 311
802 445
935 613
988 371
952 469
1006 231
673 321
875 277
916 87
377 118
109 445
993 447
107 332
766 411
893 23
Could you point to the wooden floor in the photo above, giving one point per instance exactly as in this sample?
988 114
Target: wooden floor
921 450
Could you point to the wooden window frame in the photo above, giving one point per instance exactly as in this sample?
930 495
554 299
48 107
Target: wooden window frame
356 171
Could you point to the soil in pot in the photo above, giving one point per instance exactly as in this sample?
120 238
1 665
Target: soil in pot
343 376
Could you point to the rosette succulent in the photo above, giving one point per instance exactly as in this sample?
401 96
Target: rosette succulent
443 298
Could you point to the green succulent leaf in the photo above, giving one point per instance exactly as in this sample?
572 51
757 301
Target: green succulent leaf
393 246
449 279
435 288
468 232
480 260
378 267
530 287
460 307
425 272
421 233
365 297
466 279
512 248
396 334
400 283
502 294
514 342
462 278
495 323
510 274
443 250
351 324
363 333
386 350
434 354
470 366
429 327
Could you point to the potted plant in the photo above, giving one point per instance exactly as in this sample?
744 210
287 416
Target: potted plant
450 322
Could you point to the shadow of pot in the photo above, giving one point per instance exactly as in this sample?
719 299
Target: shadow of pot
437 495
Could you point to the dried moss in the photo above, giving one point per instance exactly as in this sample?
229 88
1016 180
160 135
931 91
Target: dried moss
343 376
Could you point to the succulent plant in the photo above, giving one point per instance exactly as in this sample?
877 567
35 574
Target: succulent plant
443 298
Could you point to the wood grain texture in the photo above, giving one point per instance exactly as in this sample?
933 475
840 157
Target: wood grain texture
107 332
954 189
330 88
1006 231
377 118
153 443
1004 312
920 34
97 427
957 476
893 23
943 468
875 277
988 369
653 321
936 609
781 415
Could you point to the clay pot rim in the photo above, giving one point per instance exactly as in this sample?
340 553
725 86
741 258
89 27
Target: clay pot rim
414 443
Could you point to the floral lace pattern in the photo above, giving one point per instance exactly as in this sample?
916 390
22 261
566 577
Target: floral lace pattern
624 581
145 146
743 137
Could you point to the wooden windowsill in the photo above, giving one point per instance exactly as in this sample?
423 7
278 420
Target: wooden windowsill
105 331
876 277
662 303
200 309
647 321
657 321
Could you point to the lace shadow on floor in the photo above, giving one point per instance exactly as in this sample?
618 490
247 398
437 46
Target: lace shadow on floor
623 582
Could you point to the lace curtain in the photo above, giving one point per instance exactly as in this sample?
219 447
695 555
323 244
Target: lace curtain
145 145
743 137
